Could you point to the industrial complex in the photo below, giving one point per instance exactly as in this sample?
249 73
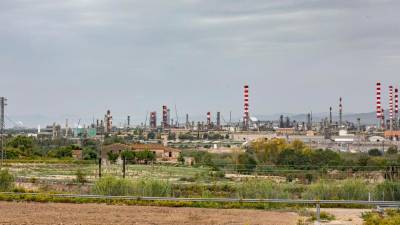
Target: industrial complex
215 134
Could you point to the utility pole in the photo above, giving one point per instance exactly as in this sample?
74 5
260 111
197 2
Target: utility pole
2 127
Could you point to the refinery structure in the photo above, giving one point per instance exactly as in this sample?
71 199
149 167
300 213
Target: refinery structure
217 133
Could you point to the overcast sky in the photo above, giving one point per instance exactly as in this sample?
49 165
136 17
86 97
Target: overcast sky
78 58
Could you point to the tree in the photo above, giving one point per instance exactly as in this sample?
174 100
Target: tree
171 136
363 160
112 156
375 152
392 150
151 135
62 152
146 156
247 163
89 154
128 155
324 158
181 159
292 157
23 143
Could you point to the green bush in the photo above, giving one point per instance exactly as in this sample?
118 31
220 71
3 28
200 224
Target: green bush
392 217
6 181
392 150
324 216
375 152
80 177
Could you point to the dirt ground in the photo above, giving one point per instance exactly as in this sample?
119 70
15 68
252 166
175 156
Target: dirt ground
346 216
12 213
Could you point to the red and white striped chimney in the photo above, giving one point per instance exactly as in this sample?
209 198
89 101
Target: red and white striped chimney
396 101
378 101
391 102
246 107
208 118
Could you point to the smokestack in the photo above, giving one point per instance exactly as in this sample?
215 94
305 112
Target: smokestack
340 112
218 120
330 116
108 121
129 122
396 106
246 115
187 121
209 119
153 120
391 107
379 111
165 117
281 123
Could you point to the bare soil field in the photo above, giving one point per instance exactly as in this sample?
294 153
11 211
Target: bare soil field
346 216
13 213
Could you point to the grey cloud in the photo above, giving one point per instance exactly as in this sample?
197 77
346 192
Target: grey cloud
81 57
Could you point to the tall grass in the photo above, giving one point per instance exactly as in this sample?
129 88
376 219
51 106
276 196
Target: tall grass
338 190
142 187
6 181
387 191
261 189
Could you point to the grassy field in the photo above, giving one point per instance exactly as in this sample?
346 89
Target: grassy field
67 171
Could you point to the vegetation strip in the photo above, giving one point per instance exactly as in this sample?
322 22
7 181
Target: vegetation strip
286 201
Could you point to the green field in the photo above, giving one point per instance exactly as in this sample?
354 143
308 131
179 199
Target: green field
67 171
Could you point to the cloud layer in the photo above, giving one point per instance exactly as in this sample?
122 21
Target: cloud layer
81 57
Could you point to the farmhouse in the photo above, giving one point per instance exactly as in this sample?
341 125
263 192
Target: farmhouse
162 153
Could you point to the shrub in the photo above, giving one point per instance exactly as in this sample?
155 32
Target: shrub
392 150
375 152
324 216
6 181
372 218
80 177
112 156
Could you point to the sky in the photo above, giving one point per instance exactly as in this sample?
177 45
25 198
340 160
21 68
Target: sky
77 58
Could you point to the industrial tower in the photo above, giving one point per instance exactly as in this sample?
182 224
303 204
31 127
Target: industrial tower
340 112
153 120
165 119
246 116
108 121
379 111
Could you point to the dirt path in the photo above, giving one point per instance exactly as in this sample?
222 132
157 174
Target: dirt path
12 213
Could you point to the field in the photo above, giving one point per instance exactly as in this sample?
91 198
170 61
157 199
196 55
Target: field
175 181
90 214
66 172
